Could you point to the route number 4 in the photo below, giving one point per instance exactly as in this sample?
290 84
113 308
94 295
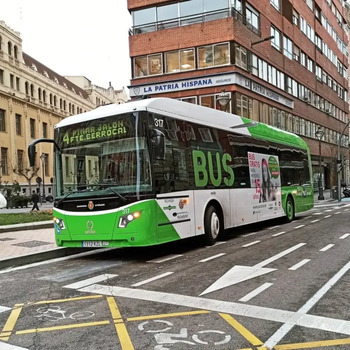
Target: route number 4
162 338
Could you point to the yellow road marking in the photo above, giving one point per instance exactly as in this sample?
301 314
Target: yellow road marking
177 314
11 322
57 328
242 330
310 345
65 300
119 324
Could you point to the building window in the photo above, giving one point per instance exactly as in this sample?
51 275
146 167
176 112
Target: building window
310 64
18 84
213 55
241 58
295 18
18 124
275 4
148 65
177 61
252 17
20 160
303 58
12 81
276 41
310 3
44 130
237 5
1 76
2 120
287 47
296 53
32 128
4 161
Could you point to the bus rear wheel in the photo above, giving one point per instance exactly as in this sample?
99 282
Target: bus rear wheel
212 225
290 210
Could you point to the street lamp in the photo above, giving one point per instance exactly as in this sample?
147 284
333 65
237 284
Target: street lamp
43 158
339 167
319 134
223 99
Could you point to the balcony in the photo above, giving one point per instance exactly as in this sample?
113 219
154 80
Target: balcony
193 19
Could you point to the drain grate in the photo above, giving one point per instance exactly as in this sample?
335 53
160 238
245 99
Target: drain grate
7 239
31 244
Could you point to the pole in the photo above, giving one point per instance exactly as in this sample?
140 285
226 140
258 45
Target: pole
43 172
339 160
320 188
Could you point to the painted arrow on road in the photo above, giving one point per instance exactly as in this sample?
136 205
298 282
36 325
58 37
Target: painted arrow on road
239 273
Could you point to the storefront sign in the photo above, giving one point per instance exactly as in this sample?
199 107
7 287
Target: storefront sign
210 81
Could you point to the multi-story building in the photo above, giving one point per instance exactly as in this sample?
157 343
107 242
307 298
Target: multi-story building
33 98
282 62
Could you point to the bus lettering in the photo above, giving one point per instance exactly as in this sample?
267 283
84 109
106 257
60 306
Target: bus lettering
204 169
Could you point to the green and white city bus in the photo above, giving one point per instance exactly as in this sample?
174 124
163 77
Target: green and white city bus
158 170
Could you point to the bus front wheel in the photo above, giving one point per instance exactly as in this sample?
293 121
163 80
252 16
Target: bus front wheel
290 210
212 225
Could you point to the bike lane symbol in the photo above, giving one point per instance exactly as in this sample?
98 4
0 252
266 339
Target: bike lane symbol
162 338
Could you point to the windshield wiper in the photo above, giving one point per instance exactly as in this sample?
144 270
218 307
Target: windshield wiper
109 187
68 194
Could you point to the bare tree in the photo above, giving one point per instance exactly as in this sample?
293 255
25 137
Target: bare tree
27 173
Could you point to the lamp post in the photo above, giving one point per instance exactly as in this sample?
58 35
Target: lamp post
223 98
339 165
43 158
319 134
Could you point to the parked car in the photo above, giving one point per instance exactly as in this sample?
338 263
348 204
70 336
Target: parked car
49 198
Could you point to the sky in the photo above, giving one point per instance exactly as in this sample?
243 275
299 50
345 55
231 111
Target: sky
75 37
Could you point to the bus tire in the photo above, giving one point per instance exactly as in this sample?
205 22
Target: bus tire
290 209
212 225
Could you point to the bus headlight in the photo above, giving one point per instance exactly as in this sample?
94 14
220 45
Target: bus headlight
126 219
59 223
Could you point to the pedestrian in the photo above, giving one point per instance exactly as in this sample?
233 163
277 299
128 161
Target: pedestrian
35 200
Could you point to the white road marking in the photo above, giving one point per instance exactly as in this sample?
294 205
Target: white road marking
317 214
152 279
301 318
256 292
249 234
327 216
338 212
279 255
329 246
299 264
90 281
345 236
4 346
271 228
279 233
313 221
300 226
293 318
4 308
250 244
167 258
239 273
212 257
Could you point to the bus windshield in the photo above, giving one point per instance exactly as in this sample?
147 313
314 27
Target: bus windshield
101 157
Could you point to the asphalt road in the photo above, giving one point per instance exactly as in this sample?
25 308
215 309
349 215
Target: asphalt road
272 285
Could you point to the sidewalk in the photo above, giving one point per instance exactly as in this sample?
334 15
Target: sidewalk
33 242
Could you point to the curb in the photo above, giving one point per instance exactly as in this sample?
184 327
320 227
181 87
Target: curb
26 226
41 256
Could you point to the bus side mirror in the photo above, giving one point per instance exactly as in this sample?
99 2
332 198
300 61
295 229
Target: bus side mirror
31 154
158 144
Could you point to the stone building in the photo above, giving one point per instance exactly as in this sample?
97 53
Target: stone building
33 98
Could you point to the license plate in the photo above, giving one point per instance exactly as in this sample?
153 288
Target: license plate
90 244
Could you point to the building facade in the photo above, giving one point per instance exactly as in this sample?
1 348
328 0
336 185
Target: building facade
33 98
281 62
